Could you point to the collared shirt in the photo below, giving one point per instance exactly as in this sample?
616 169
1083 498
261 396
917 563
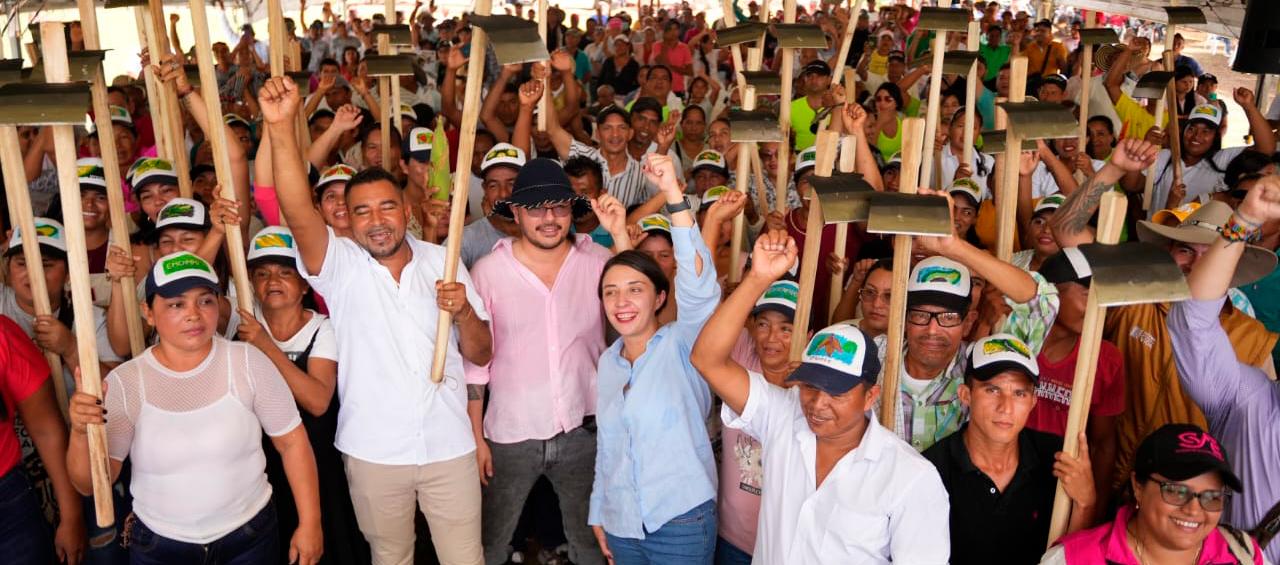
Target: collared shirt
391 412
880 503
1202 179
925 417
1240 403
653 458
628 186
1018 515
546 342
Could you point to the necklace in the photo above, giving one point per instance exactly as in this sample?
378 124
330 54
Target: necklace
792 222
1139 548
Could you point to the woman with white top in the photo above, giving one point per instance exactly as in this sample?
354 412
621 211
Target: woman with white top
189 413
302 345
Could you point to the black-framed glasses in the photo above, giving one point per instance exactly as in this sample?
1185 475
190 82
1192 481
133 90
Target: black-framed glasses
1178 494
924 317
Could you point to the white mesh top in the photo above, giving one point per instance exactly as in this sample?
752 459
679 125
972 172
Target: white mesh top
194 438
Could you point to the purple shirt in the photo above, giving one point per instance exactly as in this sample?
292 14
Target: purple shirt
1240 403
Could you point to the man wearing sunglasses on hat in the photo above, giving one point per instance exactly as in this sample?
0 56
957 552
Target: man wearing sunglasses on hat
1239 401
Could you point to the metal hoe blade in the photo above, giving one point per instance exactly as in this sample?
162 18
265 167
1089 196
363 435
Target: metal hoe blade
756 125
1152 85
514 40
1183 15
1098 36
303 80
943 19
399 34
10 71
958 62
1040 120
1134 273
741 33
84 64
44 104
800 36
766 82
996 141
124 3
390 65
909 214
844 197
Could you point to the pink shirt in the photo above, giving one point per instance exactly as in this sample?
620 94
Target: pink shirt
741 473
678 56
1109 543
546 342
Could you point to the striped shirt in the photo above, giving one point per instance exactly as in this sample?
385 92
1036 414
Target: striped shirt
628 186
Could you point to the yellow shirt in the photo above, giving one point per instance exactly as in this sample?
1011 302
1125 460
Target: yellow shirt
1134 119
1153 391
987 227
1036 65
879 64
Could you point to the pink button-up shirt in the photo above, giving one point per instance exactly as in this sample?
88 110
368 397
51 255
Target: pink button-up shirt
546 342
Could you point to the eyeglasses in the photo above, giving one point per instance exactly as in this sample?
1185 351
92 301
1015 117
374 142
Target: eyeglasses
560 211
924 317
869 296
1177 494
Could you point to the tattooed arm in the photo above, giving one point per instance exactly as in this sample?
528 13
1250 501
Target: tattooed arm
1070 223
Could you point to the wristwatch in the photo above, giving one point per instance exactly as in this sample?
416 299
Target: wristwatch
680 206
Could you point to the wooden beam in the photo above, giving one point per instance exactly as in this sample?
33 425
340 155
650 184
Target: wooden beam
913 139
1007 190
826 160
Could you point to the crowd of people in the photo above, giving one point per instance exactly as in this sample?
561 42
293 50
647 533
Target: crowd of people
614 391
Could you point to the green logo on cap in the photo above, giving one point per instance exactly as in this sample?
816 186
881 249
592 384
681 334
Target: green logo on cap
178 210
655 222
184 262
939 274
266 240
785 292
510 152
148 165
833 346
47 230
89 171
810 154
1002 345
712 156
423 137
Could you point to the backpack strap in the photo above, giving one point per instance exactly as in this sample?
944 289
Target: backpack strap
1267 528
1240 544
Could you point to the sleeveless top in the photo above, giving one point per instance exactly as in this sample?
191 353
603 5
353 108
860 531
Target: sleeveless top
889 146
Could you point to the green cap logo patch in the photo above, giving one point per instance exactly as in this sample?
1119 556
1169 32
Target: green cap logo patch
509 152
834 347
932 274
655 222
89 171
178 210
282 240
184 262
47 230
715 192
424 137
787 292
1001 345
712 156
148 165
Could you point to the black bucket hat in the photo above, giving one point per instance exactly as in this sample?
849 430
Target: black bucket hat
539 183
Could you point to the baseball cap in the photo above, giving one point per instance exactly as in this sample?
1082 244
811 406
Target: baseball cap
177 273
183 213
49 235
999 353
91 173
939 281
710 159
1208 77
150 170
1055 79
1067 265
817 67
503 154
1181 451
1049 203
273 244
332 174
655 222
1174 216
235 120
711 195
837 359
807 159
1206 112
120 115
417 145
895 161
967 187
780 297
407 111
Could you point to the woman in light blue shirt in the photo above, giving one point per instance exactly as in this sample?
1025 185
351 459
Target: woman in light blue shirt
653 499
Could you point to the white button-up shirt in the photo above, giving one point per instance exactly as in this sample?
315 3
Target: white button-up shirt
391 413
881 503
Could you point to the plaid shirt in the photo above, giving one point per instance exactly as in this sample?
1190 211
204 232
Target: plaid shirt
936 412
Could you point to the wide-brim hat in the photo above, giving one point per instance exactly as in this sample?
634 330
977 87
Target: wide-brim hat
1203 227
539 183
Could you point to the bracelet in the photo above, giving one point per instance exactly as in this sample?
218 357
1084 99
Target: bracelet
1239 229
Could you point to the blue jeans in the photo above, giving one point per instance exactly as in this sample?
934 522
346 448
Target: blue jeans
254 543
689 538
24 535
729 554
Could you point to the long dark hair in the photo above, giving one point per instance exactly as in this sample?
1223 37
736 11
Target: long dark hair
895 93
640 262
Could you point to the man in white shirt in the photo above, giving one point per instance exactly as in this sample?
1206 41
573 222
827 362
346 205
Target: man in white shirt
838 487
404 439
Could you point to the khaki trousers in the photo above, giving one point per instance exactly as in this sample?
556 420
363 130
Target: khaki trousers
385 497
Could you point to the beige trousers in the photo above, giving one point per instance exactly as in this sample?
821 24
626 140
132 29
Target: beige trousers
385 497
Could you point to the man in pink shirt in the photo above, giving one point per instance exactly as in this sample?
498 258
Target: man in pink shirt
548 332
674 55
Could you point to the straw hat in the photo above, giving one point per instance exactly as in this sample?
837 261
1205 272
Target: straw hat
1204 226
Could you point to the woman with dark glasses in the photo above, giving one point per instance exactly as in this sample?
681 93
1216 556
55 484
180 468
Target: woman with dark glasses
1181 481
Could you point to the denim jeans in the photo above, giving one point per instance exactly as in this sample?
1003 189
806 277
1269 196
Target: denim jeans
568 460
729 554
689 538
104 542
24 535
254 543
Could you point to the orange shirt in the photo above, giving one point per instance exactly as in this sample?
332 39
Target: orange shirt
1153 391
1036 65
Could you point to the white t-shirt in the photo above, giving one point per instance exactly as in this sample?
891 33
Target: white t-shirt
325 345
1201 179
881 503
951 162
392 414
10 309
1043 184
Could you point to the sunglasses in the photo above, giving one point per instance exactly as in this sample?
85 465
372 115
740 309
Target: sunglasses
1177 494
